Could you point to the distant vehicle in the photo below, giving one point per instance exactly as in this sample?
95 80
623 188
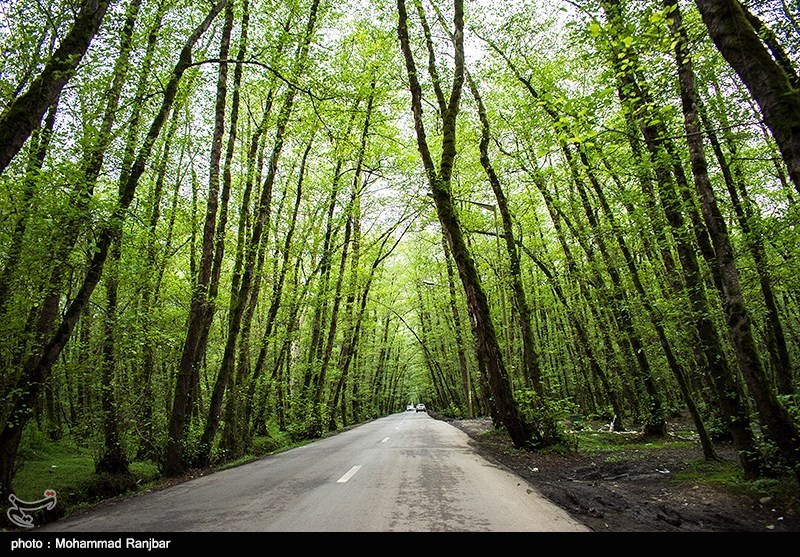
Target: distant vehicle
409 407
420 407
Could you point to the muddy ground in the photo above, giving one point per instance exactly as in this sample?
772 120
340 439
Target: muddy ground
639 493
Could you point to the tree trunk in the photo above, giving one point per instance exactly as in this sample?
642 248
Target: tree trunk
548 429
764 77
488 347
202 303
114 460
653 416
749 223
637 100
677 369
44 315
240 295
25 112
326 349
466 380
237 310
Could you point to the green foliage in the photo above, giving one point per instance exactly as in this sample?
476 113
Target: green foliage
792 405
774 465
273 442
548 417
277 441
453 412
561 409
717 428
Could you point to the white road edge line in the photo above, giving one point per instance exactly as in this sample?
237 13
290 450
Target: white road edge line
350 474
384 440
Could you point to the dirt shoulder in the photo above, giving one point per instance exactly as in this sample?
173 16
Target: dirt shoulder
637 492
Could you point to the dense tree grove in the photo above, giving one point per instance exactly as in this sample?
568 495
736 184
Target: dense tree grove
223 219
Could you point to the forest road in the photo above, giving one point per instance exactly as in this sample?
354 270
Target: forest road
403 473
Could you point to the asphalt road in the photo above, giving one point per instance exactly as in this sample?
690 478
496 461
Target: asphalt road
404 473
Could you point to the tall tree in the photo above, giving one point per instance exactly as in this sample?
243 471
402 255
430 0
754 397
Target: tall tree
530 358
439 178
114 459
203 304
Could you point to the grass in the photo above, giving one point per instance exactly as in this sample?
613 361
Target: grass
593 439
709 472
69 469
59 465
725 474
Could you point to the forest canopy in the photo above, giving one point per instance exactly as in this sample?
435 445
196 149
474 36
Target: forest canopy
224 219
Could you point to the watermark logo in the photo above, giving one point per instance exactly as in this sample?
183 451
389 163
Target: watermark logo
17 513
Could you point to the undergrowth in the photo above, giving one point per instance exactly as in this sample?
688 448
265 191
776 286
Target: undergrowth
68 468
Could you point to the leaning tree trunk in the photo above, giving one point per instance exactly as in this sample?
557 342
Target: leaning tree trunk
254 167
114 460
520 431
25 112
749 222
226 369
44 315
202 304
466 379
556 217
655 422
238 299
637 100
764 77
642 368
530 357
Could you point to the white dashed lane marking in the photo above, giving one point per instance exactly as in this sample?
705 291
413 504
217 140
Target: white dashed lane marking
350 474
